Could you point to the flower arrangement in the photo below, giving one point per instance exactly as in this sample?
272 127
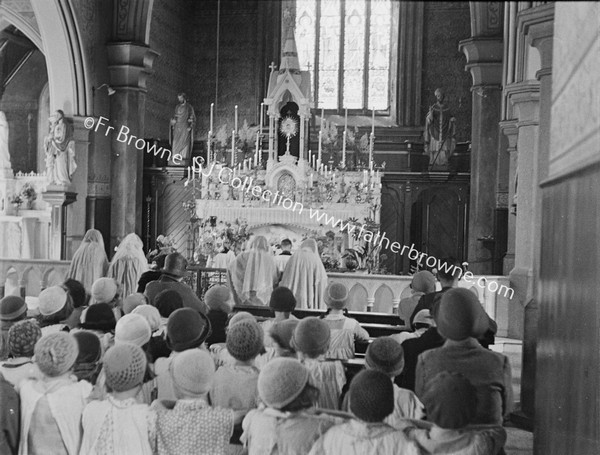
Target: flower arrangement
246 137
28 192
330 138
213 234
361 146
16 199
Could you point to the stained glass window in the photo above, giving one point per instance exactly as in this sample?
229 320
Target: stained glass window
346 44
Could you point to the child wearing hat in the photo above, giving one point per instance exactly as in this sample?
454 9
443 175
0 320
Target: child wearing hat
132 301
100 319
22 338
451 403
106 290
80 299
190 424
89 360
422 321
186 329
120 424
461 319
55 307
51 406
157 346
220 304
344 330
385 355
235 385
12 310
289 424
282 303
423 282
311 342
281 334
371 401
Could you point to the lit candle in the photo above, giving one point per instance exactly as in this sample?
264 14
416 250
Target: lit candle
371 150
372 185
320 144
309 156
346 120
314 161
212 107
344 146
262 118
233 146
373 123
236 118
208 146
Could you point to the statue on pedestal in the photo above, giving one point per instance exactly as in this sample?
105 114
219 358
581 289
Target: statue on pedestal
60 150
4 153
181 132
440 129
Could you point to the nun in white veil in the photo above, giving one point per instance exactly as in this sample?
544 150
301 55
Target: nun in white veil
253 274
89 261
128 264
305 275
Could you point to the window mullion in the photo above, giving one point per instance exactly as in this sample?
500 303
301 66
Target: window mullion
341 60
366 64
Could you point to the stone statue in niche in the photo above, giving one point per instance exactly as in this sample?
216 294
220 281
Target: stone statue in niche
60 150
181 132
4 152
440 131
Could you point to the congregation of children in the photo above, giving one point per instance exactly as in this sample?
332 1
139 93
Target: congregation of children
123 359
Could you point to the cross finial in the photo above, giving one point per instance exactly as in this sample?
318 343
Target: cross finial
273 67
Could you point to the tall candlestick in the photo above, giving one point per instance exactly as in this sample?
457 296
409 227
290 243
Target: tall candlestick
346 120
344 146
212 107
235 123
314 161
262 118
208 146
320 143
373 123
309 156
371 150
364 177
322 118
233 147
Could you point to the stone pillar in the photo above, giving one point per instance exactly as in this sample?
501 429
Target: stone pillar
484 61
58 198
129 66
509 130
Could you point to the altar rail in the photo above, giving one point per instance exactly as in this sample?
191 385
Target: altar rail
367 293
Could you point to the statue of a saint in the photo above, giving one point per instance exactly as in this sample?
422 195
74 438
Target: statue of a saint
4 153
60 150
440 129
181 132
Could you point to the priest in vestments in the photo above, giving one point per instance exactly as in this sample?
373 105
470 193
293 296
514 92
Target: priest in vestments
305 275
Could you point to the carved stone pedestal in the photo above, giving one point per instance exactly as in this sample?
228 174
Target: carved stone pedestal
59 198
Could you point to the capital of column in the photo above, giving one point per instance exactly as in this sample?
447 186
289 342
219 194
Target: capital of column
537 26
524 98
129 65
510 130
484 59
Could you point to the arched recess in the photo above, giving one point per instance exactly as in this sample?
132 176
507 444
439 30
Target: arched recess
42 127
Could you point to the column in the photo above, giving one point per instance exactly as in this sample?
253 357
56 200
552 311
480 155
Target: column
129 66
59 199
484 61
509 129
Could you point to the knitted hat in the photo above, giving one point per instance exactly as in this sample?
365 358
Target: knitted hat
52 300
104 290
134 329
245 340
282 332
218 298
187 328
132 301
460 315
311 337
423 281
12 307
450 400
192 372
22 337
336 296
55 353
240 316
151 314
90 354
282 299
124 366
98 317
386 355
281 381
423 317
167 302
371 396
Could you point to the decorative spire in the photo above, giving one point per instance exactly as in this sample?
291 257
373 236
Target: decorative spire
289 54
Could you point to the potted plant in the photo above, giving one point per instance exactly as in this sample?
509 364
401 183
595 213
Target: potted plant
28 194
16 200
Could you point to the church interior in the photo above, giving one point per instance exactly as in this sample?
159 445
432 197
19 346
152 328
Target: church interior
393 133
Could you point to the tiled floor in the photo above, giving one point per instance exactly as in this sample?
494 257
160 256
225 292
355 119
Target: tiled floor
518 442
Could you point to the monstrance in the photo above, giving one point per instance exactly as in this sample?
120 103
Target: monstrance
289 128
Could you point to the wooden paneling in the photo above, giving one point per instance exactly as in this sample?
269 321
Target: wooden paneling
568 354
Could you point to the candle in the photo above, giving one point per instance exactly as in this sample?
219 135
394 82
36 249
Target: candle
235 127
364 177
371 150
212 107
346 120
344 146
320 143
262 118
314 161
322 118
311 180
373 123
309 156
233 147
208 146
